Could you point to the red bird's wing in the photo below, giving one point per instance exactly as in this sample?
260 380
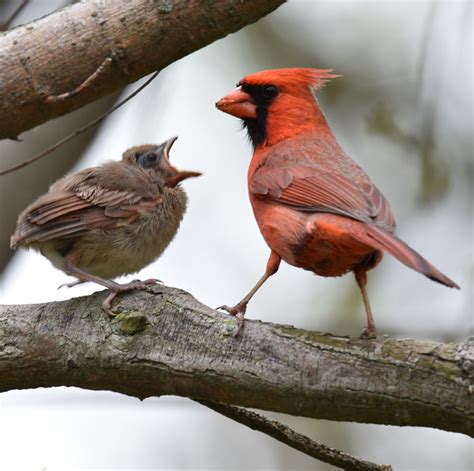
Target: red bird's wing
71 213
307 189
312 190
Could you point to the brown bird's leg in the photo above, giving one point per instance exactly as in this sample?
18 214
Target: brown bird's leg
116 288
370 331
239 309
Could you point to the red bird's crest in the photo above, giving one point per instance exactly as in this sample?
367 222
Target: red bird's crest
285 78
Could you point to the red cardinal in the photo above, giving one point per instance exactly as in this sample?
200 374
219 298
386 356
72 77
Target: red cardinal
315 207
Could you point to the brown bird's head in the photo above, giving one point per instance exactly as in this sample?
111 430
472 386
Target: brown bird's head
155 161
277 104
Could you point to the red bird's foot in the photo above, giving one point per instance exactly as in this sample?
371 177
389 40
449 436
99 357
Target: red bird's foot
234 311
133 285
239 312
369 333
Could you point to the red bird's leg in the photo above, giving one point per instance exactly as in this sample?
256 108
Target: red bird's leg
239 309
116 288
370 331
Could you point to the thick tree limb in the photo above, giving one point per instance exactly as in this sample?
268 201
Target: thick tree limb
54 55
166 342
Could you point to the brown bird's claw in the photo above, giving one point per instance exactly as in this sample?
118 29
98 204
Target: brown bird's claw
133 285
368 333
71 284
151 281
239 312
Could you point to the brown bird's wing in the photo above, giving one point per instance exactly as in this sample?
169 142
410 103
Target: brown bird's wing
69 213
312 190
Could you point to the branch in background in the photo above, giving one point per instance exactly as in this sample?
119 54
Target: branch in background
83 86
139 35
166 342
293 439
6 24
80 130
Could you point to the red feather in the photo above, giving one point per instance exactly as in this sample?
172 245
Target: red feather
316 208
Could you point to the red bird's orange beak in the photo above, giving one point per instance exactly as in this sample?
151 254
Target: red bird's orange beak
238 103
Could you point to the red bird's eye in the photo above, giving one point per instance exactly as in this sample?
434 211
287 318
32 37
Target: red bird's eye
270 91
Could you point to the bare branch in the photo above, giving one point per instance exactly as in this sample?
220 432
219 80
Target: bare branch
293 439
6 24
88 82
166 342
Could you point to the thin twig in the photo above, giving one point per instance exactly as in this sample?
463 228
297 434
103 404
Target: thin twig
83 86
293 439
6 24
80 130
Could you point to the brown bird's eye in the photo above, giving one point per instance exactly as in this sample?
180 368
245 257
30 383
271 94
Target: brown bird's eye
270 91
148 160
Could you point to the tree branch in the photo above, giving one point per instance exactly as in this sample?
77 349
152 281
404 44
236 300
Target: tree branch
166 342
293 439
38 60
80 130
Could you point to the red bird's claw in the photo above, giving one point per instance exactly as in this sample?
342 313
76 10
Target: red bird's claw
237 310
368 334
240 323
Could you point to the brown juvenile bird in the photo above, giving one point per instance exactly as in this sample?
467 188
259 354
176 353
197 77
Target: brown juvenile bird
315 207
108 221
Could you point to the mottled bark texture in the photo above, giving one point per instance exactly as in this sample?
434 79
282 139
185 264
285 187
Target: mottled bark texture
43 60
165 342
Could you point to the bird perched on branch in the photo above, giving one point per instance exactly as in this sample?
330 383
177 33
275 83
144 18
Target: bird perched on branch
108 221
315 207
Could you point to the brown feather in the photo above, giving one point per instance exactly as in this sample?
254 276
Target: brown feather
76 204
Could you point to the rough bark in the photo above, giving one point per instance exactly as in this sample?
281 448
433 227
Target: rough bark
53 56
165 342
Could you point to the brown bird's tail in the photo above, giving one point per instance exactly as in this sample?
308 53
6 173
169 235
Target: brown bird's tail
381 240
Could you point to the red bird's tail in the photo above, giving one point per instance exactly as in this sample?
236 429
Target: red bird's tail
381 240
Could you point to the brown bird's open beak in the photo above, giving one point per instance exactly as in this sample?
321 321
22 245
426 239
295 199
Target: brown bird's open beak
168 145
174 175
238 103
179 176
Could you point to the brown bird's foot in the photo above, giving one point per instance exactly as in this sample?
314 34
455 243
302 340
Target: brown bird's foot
151 281
71 284
133 285
369 333
239 312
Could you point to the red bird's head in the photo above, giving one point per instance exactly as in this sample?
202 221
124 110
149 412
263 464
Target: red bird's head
278 104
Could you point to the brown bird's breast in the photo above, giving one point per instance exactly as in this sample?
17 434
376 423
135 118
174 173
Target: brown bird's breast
129 248
318 242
